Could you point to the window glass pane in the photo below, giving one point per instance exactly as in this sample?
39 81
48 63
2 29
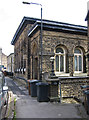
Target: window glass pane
57 63
59 50
61 63
75 62
77 51
80 63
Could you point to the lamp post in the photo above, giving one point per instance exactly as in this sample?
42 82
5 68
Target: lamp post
29 3
52 71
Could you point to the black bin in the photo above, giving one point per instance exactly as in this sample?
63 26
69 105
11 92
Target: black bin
42 92
33 88
86 92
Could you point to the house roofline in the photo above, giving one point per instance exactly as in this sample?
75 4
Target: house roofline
58 26
47 22
87 17
10 54
29 19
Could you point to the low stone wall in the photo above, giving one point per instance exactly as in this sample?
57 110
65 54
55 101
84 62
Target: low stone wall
70 86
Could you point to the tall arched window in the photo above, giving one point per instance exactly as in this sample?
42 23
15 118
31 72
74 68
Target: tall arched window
59 59
78 60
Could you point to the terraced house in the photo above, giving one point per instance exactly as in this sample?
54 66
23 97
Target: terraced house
67 43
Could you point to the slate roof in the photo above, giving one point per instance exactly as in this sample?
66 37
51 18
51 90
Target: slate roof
59 26
48 25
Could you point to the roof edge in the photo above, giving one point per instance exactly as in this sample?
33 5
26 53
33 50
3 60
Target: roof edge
58 26
87 17
36 20
20 26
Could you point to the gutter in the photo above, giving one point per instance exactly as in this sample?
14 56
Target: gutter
56 26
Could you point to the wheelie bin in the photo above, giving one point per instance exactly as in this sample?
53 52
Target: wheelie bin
33 88
42 92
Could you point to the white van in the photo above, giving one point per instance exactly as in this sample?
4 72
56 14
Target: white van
3 92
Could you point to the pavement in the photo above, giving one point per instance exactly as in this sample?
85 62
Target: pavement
28 107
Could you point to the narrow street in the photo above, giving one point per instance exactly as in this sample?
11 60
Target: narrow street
17 90
28 107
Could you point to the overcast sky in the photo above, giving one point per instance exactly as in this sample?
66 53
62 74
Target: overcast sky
12 12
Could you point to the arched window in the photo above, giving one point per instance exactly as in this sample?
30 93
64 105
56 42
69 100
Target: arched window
78 60
59 59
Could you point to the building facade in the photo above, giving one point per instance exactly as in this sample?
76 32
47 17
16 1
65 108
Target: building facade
3 60
10 63
87 19
67 43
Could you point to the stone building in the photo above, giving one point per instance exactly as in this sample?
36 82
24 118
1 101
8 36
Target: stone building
10 63
87 19
3 60
67 43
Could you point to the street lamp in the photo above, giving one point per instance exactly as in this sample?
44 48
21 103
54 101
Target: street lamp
52 71
29 3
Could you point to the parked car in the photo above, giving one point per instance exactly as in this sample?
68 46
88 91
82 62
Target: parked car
6 73
3 93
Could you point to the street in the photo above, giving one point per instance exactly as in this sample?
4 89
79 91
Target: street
14 91
14 87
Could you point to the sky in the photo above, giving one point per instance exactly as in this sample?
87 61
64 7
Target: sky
13 11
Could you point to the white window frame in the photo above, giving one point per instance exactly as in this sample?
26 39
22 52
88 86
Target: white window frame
78 54
59 54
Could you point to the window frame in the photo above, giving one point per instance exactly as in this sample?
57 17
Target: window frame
64 63
78 55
